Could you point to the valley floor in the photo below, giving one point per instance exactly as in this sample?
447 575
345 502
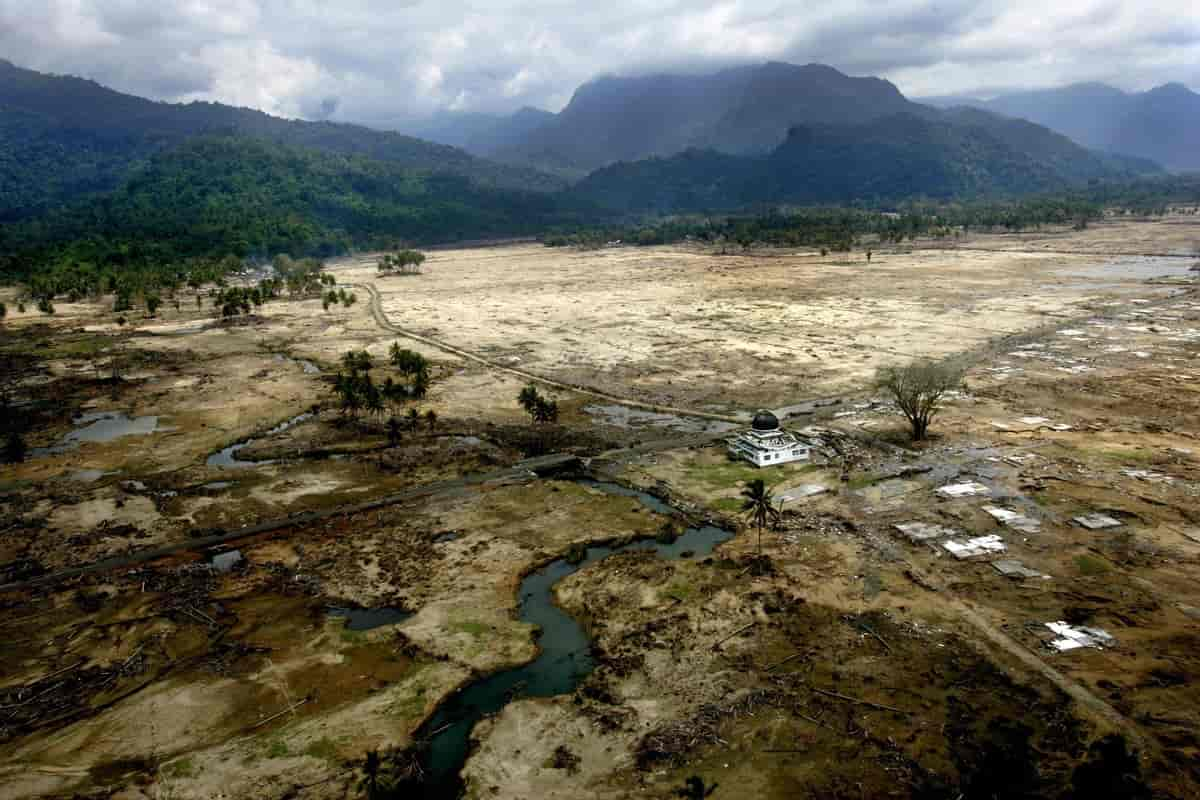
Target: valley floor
849 660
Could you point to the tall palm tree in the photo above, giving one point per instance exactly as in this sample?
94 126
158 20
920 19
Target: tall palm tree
370 778
758 505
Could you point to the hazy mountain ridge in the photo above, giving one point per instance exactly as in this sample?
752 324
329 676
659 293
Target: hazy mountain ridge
1160 124
878 162
744 110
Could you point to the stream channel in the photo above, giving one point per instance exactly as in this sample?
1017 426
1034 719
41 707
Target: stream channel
227 458
564 657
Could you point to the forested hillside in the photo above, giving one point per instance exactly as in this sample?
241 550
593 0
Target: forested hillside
218 195
62 136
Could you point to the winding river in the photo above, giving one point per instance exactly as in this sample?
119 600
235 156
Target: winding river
564 658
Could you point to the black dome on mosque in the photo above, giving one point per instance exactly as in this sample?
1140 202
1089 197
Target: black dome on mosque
765 421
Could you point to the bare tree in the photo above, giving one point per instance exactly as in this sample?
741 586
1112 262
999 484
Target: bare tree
918 389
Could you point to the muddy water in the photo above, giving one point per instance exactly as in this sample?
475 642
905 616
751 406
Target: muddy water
564 658
100 426
227 458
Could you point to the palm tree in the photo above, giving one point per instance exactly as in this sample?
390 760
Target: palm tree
414 419
695 789
759 506
370 779
431 419
393 431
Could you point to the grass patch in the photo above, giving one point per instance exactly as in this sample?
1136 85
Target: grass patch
56 347
728 474
277 749
352 637
862 482
680 589
1090 565
1042 498
730 505
474 628
1130 456
324 749
181 768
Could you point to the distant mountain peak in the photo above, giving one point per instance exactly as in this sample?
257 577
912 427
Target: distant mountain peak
1174 88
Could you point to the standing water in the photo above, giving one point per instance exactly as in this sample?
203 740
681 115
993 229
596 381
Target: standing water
100 426
227 458
564 660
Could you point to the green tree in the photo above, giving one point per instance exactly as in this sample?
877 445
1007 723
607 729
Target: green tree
546 411
528 398
153 302
431 419
393 431
404 262
758 505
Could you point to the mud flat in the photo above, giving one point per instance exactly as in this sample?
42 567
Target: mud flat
855 655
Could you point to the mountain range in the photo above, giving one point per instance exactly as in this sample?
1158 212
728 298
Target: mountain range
1162 124
91 175
748 111
740 111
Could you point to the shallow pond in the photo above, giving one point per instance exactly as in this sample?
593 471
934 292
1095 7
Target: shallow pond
100 426
564 658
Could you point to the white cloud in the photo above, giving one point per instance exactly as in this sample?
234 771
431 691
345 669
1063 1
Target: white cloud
379 59
254 74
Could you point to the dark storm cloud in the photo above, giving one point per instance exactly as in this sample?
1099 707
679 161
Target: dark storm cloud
376 60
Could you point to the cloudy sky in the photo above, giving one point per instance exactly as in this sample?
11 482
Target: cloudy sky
385 60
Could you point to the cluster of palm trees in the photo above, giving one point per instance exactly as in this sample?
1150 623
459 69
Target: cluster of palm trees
232 300
358 392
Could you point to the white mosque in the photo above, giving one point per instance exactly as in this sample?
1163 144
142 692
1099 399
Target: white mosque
766 444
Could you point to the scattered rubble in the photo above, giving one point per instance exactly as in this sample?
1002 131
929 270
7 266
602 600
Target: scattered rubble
801 492
1010 568
970 489
923 531
1147 475
1013 520
1096 522
1073 638
979 546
